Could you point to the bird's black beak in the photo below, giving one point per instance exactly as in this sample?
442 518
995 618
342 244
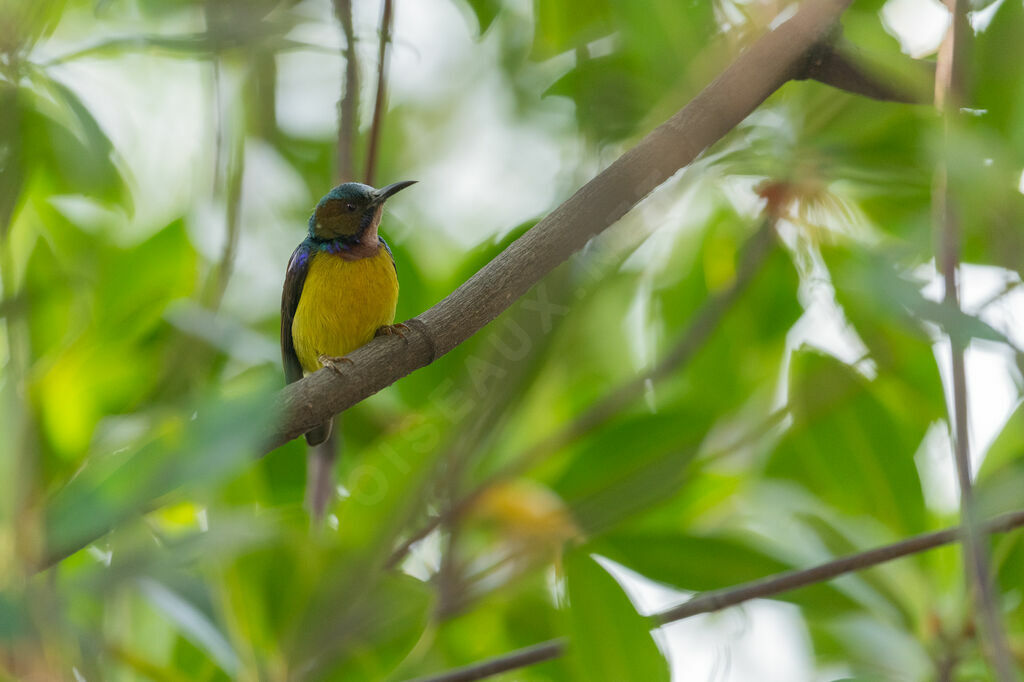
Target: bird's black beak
384 193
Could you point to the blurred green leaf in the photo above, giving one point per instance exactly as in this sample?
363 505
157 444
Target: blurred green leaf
886 310
195 624
50 314
623 448
214 442
1007 450
634 481
609 102
984 177
700 563
846 447
690 562
1001 477
13 618
998 74
375 631
562 26
27 22
135 284
62 139
608 639
652 46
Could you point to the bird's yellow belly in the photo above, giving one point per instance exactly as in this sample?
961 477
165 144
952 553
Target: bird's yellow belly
343 303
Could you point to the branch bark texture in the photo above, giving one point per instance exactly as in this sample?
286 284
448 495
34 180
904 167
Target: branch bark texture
746 83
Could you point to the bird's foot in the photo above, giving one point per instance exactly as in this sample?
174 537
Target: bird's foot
333 362
392 330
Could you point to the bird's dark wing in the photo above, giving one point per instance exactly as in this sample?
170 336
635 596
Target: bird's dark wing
294 279
388 249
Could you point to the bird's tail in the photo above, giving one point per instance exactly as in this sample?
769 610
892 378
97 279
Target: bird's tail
320 470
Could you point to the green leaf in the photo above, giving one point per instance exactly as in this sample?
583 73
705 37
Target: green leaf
385 627
215 442
625 448
62 139
616 476
562 26
50 315
846 447
1007 450
699 563
886 310
26 22
609 99
984 174
1001 477
998 74
615 92
193 623
608 639
690 562
160 269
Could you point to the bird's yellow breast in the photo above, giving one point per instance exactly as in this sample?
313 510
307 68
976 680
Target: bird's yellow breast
343 303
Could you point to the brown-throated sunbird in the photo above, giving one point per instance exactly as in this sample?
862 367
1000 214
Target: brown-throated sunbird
341 286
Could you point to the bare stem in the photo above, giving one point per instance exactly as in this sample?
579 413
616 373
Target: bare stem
348 107
950 91
233 221
380 103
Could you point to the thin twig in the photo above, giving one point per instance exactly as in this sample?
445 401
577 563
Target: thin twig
950 91
757 589
218 112
380 103
753 254
758 72
348 106
233 222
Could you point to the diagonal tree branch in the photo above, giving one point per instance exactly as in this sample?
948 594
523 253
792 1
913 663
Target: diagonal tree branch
731 596
950 89
763 68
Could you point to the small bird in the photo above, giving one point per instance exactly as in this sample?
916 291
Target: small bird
341 287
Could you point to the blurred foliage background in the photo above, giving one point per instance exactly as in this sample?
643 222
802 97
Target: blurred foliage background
158 160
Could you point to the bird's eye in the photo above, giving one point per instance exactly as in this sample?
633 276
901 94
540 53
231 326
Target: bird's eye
350 207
